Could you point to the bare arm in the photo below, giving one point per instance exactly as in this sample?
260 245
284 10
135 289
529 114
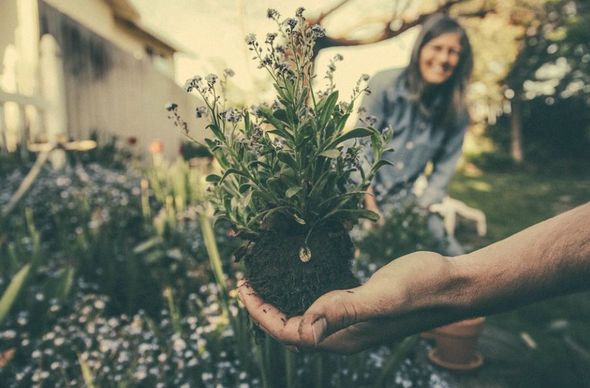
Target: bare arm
548 259
424 290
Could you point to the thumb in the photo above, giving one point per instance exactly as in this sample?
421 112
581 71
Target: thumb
331 312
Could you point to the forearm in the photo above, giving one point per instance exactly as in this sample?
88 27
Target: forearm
548 259
423 290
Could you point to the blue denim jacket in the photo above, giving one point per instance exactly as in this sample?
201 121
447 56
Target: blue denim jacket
416 141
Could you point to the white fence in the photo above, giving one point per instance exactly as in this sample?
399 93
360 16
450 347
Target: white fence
26 118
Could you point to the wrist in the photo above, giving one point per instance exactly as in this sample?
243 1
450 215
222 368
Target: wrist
423 281
442 286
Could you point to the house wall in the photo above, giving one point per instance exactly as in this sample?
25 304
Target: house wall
111 91
98 16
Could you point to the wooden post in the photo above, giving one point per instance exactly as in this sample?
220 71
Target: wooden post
3 145
516 127
53 86
27 44
9 85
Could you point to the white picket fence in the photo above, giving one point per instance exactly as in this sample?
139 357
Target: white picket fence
26 118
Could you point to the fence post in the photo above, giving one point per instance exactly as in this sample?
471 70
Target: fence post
3 144
53 87
27 45
8 84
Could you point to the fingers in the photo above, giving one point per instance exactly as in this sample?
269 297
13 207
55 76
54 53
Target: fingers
331 312
329 324
270 319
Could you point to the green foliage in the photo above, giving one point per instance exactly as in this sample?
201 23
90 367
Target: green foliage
491 161
11 293
111 151
130 236
556 134
20 159
292 158
405 230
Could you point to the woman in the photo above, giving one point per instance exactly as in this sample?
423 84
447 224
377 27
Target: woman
425 106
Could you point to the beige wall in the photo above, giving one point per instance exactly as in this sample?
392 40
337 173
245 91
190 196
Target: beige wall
130 102
97 16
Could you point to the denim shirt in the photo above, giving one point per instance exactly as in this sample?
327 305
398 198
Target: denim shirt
416 141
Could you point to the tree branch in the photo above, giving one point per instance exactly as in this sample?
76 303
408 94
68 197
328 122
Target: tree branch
388 29
328 12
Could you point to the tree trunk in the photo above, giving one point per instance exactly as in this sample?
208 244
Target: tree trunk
516 127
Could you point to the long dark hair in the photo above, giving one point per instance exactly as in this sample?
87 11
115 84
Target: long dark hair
448 106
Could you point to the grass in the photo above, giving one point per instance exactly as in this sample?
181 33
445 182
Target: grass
513 201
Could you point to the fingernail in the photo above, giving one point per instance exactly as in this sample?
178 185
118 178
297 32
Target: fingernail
318 330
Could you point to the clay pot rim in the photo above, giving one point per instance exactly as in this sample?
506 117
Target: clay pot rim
475 363
466 328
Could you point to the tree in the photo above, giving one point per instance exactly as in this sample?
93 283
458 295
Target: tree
397 17
553 61
518 45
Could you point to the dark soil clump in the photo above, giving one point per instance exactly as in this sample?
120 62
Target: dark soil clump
276 272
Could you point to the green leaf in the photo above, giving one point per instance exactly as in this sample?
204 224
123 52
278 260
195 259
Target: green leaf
11 293
345 197
352 214
216 131
332 154
213 178
256 163
327 109
247 124
352 134
147 245
281 114
304 94
210 143
154 256
86 373
293 190
287 158
364 213
233 171
380 164
65 282
244 187
282 132
298 219
264 214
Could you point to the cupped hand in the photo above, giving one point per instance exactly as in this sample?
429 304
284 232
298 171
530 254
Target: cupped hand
390 305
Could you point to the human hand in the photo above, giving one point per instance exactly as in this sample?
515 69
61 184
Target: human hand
371 204
391 304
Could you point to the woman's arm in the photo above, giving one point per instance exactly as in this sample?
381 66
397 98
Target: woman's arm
444 164
425 290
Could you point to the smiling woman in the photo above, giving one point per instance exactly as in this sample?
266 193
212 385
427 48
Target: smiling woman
425 106
439 57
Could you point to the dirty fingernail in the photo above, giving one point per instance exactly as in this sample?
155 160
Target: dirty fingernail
318 330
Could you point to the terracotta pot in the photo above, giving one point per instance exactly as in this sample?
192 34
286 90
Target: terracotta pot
456 345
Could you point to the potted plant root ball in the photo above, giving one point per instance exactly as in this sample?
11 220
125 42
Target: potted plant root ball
291 178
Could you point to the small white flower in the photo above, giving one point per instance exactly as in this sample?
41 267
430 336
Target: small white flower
250 39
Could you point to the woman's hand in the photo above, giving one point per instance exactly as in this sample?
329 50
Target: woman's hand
371 204
347 321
